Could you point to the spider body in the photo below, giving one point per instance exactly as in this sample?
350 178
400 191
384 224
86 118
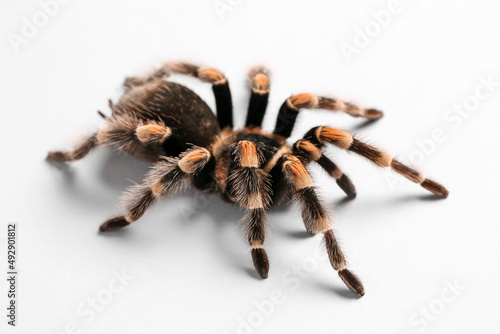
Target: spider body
173 128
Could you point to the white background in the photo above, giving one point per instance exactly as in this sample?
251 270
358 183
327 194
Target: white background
190 264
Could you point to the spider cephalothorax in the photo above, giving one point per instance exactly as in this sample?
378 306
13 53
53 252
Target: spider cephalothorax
170 126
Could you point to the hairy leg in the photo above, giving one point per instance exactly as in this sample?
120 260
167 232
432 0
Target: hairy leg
249 186
316 218
309 152
78 153
319 136
166 178
259 83
290 109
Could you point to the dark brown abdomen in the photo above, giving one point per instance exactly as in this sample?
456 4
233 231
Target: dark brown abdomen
189 117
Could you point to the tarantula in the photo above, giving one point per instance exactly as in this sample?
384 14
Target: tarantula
170 126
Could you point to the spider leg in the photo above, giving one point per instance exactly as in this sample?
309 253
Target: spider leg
290 110
131 82
136 81
309 152
249 186
220 87
78 153
316 218
258 78
319 136
124 132
165 178
256 220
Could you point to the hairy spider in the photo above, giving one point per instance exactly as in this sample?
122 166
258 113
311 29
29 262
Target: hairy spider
170 126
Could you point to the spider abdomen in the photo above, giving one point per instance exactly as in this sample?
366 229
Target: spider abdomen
189 118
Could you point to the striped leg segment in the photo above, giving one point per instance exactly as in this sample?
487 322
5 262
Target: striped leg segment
250 187
290 109
315 216
317 220
310 152
322 135
338 262
256 220
259 82
81 151
165 179
220 87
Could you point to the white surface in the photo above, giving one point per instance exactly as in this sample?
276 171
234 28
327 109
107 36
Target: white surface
191 267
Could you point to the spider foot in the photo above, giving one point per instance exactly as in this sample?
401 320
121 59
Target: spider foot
114 224
260 261
435 188
373 114
352 282
58 156
346 185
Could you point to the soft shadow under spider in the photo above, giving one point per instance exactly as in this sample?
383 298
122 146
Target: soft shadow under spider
221 212
344 201
426 198
430 197
122 233
63 168
300 234
118 169
252 273
345 293
365 124
223 215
